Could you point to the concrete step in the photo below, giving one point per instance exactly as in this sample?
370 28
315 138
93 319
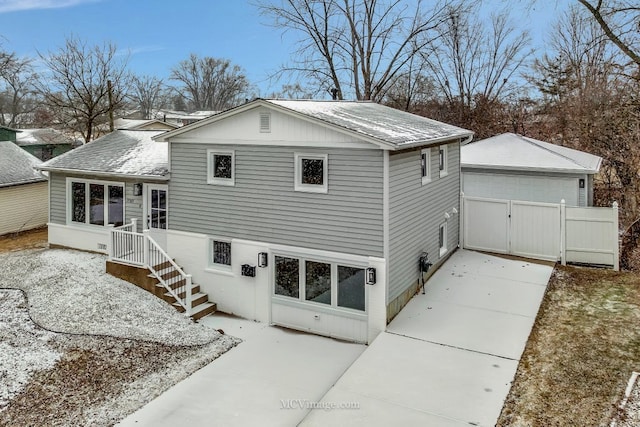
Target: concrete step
200 311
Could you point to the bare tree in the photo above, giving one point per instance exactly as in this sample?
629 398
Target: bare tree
17 81
211 83
358 47
473 59
620 22
147 93
75 88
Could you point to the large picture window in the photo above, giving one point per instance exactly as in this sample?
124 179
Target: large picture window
329 284
96 203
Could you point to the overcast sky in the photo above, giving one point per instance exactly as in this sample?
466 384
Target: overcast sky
157 34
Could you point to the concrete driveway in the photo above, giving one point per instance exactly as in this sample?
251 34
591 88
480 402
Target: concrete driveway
270 379
449 357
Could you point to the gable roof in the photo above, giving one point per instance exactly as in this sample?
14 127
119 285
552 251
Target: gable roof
385 126
510 151
142 124
122 153
17 166
46 136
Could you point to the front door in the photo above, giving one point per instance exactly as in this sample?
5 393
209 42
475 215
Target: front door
156 213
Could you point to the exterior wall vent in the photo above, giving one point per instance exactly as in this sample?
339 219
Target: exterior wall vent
265 122
102 247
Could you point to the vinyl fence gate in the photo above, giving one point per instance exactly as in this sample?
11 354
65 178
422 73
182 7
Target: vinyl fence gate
546 231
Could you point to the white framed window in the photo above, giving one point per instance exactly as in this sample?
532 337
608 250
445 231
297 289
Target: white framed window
97 203
442 238
265 122
220 253
326 283
221 167
425 165
311 172
443 160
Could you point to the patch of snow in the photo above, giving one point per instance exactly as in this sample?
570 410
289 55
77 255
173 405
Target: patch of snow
70 292
24 347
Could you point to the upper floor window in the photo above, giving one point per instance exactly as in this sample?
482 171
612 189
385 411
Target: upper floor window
311 172
425 162
96 203
443 161
221 167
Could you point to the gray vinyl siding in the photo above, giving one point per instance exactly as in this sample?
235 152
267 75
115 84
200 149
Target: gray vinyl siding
416 212
263 206
57 198
58 203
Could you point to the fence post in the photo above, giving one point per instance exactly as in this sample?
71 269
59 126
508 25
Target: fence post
134 227
145 248
461 221
187 295
616 235
563 233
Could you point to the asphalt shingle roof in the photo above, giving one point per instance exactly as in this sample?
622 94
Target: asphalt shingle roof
42 137
383 123
17 166
515 152
122 152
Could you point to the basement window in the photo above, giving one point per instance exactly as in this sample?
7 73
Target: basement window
442 237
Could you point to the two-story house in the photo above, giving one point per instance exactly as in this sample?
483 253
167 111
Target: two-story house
313 215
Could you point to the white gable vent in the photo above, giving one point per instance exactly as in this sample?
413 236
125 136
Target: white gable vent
265 122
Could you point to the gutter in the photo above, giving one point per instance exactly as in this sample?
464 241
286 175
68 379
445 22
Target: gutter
160 178
526 168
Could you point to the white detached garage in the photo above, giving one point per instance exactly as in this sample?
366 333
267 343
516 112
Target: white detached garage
515 167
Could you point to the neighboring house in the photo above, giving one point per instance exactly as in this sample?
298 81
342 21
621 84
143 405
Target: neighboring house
45 143
142 124
8 134
101 184
279 209
516 167
23 190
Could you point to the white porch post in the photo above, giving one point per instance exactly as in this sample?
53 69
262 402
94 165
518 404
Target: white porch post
145 245
134 222
187 295
110 242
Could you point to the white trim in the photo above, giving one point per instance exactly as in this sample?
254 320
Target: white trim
443 247
146 209
211 153
311 188
212 266
274 143
426 176
68 201
443 160
302 297
385 220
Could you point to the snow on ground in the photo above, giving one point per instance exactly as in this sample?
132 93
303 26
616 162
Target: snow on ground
136 344
70 292
25 348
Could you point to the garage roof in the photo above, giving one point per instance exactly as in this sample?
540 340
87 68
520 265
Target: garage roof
510 151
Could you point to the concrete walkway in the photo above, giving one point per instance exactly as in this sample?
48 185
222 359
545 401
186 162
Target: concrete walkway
267 380
449 357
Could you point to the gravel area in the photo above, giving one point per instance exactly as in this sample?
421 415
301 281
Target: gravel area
80 347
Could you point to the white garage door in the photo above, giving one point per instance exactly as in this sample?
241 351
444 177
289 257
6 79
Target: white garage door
325 298
521 187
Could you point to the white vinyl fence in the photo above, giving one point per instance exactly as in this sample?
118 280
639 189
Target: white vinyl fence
547 231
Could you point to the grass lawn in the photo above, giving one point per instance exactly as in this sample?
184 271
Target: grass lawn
581 352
